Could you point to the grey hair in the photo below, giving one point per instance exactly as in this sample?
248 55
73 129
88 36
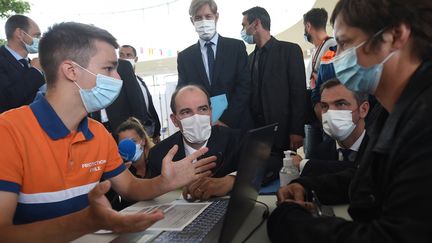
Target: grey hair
197 4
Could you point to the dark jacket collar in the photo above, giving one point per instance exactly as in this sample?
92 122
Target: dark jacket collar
419 82
10 58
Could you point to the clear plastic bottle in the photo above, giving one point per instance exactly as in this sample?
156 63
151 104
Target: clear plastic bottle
288 171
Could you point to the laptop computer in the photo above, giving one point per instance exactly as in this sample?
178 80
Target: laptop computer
221 221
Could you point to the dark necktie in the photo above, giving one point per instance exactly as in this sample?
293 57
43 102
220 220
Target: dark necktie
210 59
24 62
256 106
347 154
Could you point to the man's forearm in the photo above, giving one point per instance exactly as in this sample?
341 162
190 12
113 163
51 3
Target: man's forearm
147 189
62 229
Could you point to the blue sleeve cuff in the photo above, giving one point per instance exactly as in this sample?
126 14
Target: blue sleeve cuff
115 172
9 186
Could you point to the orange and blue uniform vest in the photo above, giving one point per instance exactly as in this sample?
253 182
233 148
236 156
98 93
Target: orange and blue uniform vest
51 168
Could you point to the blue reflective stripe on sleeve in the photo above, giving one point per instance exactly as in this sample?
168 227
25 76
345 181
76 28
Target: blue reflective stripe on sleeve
9 186
114 172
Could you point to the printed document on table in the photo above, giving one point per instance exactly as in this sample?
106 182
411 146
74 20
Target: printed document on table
178 215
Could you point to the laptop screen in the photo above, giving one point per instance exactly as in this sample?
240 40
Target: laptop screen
254 153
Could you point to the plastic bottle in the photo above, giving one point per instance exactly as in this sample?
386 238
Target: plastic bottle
288 171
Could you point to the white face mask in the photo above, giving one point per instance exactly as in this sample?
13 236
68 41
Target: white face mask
338 124
196 128
206 29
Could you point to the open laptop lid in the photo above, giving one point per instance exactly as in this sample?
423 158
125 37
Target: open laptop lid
254 153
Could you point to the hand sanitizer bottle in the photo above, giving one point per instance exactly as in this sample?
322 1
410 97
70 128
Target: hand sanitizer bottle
288 171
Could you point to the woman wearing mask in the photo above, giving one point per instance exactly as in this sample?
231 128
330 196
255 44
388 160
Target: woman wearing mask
384 48
134 130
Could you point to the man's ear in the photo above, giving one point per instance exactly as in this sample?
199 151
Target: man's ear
400 36
174 120
364 109
308 26
17 34
257 24
211 116
68 70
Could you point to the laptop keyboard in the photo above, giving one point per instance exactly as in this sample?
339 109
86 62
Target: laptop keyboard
200 227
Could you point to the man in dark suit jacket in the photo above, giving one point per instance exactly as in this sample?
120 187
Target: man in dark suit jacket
130 101
151 119
191 114
278 85
222 144
220 68
343 114
20 78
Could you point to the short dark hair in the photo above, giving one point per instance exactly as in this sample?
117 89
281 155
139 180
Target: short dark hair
372 16
317 17
70 40
14 22
258 13
360 97
191 86
133 49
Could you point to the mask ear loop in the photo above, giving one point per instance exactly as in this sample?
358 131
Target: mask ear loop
374 38
364 43
83 68
252 25
77 85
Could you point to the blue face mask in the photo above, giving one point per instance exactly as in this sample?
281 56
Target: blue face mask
354 76
102 95
247 38
34 47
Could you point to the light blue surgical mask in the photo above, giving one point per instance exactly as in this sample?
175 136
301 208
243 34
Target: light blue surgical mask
247 38
34 47
354 76
102 95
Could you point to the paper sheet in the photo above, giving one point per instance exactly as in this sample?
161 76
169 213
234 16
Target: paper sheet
218 103
178 215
